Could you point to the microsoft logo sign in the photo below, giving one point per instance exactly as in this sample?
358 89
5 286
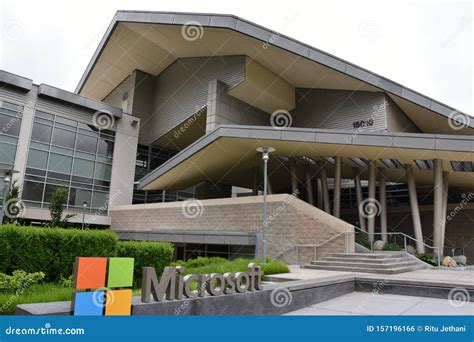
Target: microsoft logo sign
103 286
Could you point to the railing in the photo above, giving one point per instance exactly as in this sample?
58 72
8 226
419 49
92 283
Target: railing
297 247
405 238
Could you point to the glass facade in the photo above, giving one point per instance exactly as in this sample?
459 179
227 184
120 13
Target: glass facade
148 159
10 122
68 153
189 251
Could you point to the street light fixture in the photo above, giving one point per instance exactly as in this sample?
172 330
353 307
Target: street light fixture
84 206
265 150
6 189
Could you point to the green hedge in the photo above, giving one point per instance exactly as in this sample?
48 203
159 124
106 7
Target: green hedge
50 250
146 254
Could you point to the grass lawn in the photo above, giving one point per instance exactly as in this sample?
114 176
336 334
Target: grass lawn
220 265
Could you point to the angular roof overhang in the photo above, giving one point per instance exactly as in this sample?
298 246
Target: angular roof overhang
229 152
151 41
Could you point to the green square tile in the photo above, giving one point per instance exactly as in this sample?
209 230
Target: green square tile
120 272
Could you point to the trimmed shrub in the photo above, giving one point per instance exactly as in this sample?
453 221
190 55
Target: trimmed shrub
146 254
392 247
19 280
51 250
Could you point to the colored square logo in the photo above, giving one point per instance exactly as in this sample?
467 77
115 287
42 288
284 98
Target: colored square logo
94 274
120 272
89 303
118 303
90 273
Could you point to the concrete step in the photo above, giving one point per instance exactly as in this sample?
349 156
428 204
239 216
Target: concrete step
370 255
364 269
367 260
364 264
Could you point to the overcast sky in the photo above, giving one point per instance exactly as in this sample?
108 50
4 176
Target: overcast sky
424 45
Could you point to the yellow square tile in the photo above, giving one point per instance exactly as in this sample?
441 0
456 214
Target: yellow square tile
118 303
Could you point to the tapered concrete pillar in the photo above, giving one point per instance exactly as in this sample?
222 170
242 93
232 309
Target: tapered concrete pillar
309 186
319 191
415 211
438 204
325 190
383 204
255 181
358 190
445 206
294 179
372 199
337 186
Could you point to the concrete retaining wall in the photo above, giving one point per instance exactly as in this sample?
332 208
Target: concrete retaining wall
291 222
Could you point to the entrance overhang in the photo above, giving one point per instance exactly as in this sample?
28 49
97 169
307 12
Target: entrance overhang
229 153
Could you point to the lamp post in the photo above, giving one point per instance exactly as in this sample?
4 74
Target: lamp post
7 173
84 206
265 150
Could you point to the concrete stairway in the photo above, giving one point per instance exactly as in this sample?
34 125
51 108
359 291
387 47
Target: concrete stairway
381 263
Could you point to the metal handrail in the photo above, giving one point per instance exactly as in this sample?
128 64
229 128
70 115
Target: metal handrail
297 246
405 236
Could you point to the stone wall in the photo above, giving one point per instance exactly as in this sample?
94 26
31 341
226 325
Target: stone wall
291 222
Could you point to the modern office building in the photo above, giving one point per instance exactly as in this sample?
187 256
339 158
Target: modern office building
160 142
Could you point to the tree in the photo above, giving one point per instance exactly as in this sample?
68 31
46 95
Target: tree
57 200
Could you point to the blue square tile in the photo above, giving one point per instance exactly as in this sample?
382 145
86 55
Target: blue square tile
89 303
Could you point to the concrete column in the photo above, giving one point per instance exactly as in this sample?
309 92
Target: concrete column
358 189
309 186
337 186
255 181
24 136
383 203
445 205
123 170
294 178
325 190
438 203
372 184
319 193
415 212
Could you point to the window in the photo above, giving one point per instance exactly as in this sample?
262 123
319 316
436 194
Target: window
32 191
64 138
41 133
425 164
10 125
7 153
53 162
84 168
37 159
77 197
462 166
59 163
86 143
